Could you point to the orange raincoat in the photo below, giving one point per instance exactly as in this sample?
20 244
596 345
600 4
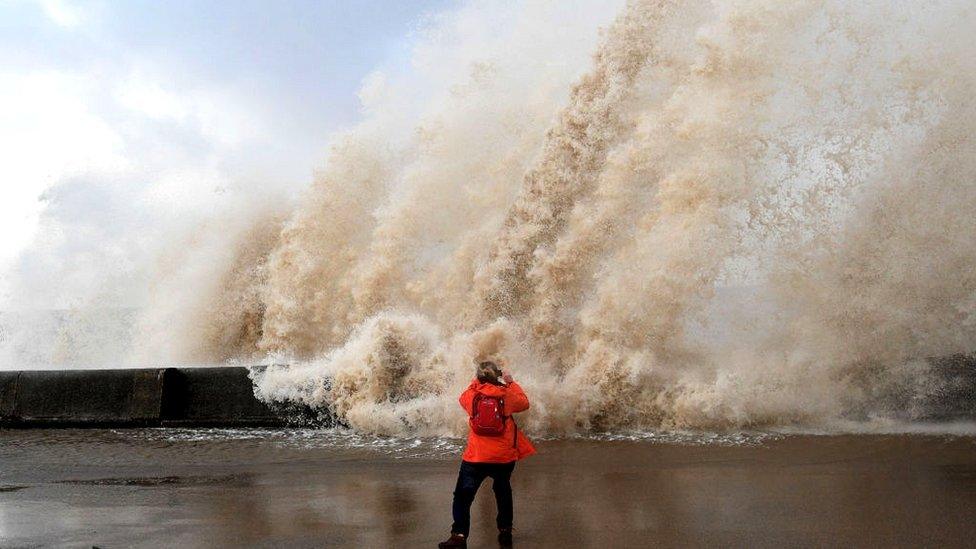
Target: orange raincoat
513 445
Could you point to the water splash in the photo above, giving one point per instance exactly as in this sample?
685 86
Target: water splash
744 213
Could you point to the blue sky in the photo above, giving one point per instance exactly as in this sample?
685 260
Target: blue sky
106 107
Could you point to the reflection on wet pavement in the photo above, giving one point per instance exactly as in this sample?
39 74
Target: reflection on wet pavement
206 488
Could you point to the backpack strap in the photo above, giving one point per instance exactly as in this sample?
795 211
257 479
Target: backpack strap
474 403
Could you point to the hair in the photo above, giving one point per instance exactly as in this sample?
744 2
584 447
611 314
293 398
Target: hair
488 372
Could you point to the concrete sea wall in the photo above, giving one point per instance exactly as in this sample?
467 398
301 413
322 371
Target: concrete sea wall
220 396
224 397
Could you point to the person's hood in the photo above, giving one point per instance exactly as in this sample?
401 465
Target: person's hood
489 389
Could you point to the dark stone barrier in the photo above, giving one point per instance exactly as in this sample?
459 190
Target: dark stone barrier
80 397
8 393
955 398
213 397
132 397
224 397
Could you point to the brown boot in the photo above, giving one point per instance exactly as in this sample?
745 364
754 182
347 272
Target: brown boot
456 540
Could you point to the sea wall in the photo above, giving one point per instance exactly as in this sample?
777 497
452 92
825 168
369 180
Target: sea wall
149 397
224 397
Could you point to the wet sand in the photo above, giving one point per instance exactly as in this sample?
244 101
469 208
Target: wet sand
183 488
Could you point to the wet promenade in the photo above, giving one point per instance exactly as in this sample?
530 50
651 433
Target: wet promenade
265 488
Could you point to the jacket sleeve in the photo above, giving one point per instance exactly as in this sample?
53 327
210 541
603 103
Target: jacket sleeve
467 398
515 399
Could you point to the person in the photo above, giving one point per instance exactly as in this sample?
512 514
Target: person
495 443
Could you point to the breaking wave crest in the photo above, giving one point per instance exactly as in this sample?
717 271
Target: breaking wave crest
734 214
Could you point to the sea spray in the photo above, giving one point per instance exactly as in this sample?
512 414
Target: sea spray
744 213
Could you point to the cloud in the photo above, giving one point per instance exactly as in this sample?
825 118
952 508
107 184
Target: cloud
63 13
47 132
91 160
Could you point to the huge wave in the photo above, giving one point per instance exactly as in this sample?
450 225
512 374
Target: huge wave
708 215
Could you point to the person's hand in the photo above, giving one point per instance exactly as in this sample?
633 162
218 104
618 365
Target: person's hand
507 377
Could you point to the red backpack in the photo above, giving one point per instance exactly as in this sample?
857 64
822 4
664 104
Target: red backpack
487 415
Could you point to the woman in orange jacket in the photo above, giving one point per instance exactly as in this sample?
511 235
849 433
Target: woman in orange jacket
495 443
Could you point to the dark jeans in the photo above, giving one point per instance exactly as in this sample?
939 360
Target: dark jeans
469 480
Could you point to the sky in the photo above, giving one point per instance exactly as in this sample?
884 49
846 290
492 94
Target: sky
116 115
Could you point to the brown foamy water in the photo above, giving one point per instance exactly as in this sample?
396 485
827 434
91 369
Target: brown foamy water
732 214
